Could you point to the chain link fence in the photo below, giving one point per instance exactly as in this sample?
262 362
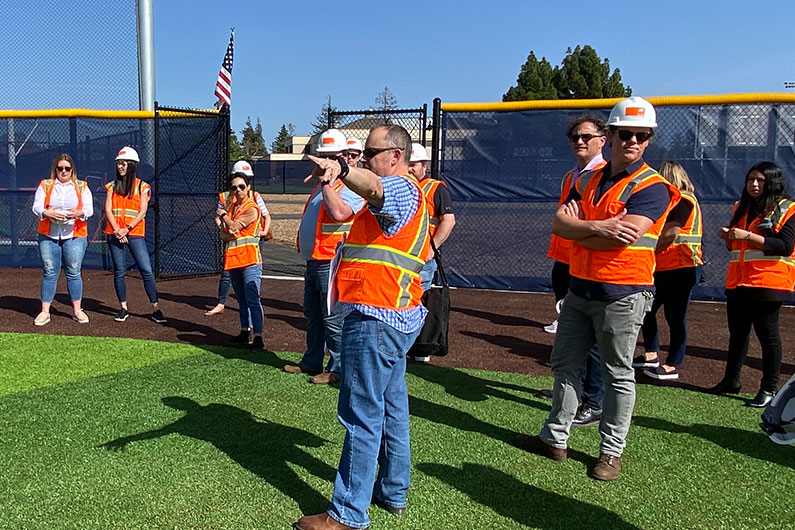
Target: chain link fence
357 123
504 169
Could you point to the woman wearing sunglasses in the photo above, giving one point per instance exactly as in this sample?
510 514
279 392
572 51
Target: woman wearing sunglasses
239 229
125 209
761 238
62 204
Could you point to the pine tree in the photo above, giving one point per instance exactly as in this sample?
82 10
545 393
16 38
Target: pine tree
386 100
321 120
279 144
235 150
253 143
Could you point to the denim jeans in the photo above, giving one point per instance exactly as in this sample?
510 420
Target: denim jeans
593 388
140 254
246 281
374 409
613 326
323 329
224 283
54 253
427 273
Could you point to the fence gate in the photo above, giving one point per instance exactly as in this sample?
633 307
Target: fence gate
192 149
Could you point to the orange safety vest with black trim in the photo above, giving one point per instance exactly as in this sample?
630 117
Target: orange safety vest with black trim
685 251
81 227
244 249
749 267
381 271
429 187
226 198
328 232
559 248
125 209
631 265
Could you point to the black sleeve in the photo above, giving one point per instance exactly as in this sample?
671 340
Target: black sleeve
574 195
781 244
679 214
442 203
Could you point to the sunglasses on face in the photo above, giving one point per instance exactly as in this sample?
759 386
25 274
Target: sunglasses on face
64 168
239 187
370 152
350 154
585 137
626 135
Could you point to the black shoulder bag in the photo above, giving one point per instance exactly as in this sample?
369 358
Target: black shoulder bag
432 339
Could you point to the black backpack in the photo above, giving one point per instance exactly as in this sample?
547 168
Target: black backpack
778 419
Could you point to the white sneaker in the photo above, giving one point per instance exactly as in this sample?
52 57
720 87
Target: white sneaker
559 305
552 328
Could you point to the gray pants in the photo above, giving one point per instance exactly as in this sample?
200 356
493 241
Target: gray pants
614 327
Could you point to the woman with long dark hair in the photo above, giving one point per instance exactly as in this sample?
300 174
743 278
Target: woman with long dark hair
761 275
125 209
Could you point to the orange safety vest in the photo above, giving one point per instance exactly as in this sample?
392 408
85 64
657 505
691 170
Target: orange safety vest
749 267
559 248
428 187
685 251
632 265
226 198
381 271
328 232
125 209
244 249
80 228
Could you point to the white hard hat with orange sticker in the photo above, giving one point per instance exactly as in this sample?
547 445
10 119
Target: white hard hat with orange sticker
128 153
355 144
241 166
418 153
633 112
331 141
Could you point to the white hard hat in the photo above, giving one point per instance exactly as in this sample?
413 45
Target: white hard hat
241 166
418 153
128 153
354 143
633 112
331 141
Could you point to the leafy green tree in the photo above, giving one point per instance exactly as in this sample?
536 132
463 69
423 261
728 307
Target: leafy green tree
321 120
235 149
279 144
581 75
386 100
253 143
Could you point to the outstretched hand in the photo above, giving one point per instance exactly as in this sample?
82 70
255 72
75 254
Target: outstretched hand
326 170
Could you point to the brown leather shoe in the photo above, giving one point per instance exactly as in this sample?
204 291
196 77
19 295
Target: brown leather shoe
607 468
321 521
326 378
534 444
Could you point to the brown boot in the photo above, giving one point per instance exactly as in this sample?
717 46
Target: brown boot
326 378
321 521
296 369
534 444
607 468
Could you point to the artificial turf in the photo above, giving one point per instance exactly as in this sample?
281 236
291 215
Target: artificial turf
118 433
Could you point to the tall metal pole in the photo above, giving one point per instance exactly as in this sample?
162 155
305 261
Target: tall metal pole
146 54
436 139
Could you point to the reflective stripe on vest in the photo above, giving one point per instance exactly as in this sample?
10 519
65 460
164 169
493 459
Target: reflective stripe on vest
80 227
428 187
685 250
125 209
244 249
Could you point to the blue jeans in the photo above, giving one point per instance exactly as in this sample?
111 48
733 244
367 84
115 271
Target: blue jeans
374 409
323 329
140 255
223 287
53 253
246 281
593 389
427 273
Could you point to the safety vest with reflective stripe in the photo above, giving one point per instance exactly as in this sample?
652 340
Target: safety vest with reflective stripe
685 251
381 271
244 249
631 265
80 229
125 209
429 187
226 198
749 267
559 248
328 232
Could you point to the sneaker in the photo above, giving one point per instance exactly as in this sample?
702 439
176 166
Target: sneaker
158 317
422 360
607 468
586 416
241 339
326 378
121 316
81 316
552 328
641 362
41 319
662 374
257 343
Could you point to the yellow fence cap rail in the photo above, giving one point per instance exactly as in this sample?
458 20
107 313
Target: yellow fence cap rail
94 113
662 101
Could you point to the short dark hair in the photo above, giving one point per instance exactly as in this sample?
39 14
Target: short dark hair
598 123
397 137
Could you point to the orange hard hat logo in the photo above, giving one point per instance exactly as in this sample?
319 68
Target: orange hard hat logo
351 142
246 167
122 152
328 140
635 111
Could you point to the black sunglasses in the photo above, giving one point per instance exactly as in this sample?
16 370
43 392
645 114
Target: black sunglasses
350 154
240 187
370 152
626 135
62 168
585 137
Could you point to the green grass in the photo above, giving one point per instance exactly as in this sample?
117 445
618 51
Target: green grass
117 433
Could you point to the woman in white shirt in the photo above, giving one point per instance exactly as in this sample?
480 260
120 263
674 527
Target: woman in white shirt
62 204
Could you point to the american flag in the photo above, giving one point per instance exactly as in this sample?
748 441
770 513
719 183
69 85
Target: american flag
223 87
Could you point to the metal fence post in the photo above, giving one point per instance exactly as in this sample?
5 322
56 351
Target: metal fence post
157 191
436 140
424 121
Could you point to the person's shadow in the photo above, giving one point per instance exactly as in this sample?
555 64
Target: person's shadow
526 504
263 447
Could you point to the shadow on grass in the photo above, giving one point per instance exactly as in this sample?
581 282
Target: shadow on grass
262 447
521 502
514 345
263 357
754 444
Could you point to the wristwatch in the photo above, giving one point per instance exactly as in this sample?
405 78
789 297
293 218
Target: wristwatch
344 169
222 215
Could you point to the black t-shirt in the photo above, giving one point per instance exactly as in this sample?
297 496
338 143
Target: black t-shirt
442 203
680 213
